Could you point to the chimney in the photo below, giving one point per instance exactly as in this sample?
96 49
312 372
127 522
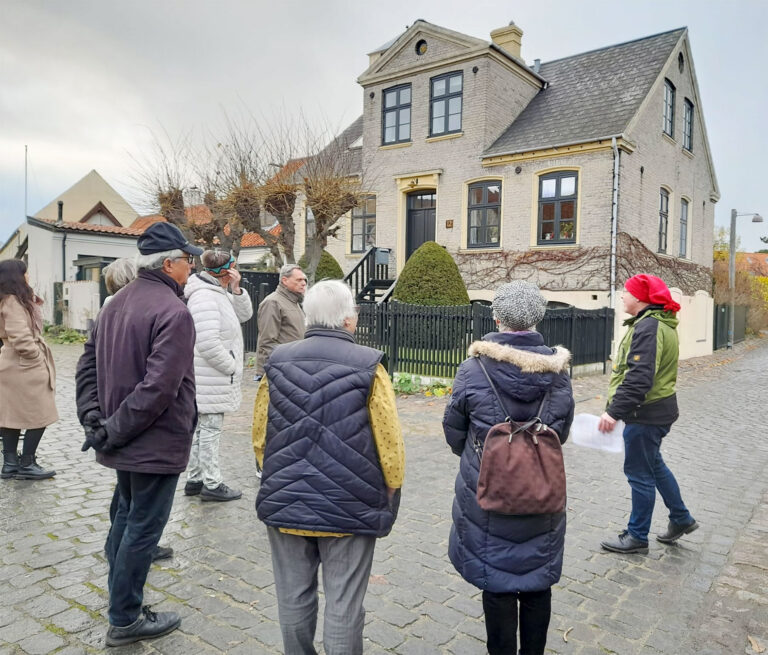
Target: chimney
60 218
509 38
536 66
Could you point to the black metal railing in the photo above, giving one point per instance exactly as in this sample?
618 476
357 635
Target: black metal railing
373 265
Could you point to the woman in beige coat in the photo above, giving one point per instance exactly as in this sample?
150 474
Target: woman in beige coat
27 374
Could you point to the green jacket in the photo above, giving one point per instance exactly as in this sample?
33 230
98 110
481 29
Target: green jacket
642 387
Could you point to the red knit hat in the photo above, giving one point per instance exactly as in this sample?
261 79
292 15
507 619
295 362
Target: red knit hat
651 289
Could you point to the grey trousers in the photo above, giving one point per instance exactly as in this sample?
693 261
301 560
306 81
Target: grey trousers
346 568
204 456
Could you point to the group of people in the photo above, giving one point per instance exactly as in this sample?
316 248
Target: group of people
163 365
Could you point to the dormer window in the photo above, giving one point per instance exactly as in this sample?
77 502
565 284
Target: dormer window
445 103
396 115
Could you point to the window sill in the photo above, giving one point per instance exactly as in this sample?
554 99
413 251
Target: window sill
688 153
560 246
444 137
393 146
479 251
669 138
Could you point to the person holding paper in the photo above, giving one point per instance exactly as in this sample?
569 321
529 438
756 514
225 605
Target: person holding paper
642 394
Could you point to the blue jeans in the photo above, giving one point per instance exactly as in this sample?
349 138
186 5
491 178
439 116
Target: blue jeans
142 512
646 471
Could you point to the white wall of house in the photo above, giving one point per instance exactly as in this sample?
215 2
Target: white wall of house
82 303
47 247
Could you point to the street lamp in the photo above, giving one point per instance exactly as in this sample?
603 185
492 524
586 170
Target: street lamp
756 218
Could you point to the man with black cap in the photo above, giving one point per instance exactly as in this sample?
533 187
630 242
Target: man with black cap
136 400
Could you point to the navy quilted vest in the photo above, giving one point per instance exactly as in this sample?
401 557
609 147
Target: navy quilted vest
321 468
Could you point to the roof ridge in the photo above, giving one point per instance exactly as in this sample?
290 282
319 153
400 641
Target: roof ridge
615 45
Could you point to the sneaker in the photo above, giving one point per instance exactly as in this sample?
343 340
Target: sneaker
258 471
193 488
675 531
221 493
625 543
162 552
148 626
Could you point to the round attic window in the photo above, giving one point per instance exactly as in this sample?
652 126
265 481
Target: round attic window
681 62
421 47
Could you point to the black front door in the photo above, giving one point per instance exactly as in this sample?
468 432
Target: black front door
420 225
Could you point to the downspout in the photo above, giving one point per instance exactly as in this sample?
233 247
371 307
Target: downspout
59 221
614 222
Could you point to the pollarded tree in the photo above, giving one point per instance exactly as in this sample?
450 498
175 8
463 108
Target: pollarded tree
431 277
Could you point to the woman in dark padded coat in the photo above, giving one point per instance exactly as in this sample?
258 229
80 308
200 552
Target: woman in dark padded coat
513 559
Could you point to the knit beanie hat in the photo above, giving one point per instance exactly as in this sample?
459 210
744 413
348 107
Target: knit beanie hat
519 305
651 289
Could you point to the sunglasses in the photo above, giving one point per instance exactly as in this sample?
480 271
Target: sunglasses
219 269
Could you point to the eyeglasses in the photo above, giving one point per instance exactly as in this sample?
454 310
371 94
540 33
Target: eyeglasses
190 259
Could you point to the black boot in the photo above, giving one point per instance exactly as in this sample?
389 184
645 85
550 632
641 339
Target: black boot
30 470
10 465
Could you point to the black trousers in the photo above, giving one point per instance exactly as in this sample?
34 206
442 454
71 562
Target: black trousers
501 621
143 509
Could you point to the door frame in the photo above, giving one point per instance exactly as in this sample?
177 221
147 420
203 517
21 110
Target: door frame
422 181
408 210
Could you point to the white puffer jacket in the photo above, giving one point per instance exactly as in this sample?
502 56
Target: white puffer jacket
219 342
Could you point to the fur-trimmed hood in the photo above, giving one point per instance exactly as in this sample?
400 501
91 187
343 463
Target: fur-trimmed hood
526 360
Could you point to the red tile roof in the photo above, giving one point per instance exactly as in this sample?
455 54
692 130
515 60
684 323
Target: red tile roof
253 240
88 227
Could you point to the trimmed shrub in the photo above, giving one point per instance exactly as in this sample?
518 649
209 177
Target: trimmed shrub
327 269
431 277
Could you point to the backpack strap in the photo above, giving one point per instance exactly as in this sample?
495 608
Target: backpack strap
508 418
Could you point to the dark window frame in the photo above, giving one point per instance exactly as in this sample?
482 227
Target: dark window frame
396 109
362 218
669 109
685 210
446 97
688 125
663 220
483 206
558 199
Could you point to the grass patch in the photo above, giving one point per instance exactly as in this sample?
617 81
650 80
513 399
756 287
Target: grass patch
51 536
92 613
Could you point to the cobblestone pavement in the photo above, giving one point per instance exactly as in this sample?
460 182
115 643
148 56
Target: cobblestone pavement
706 595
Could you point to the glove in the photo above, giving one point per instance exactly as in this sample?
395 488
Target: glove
97 437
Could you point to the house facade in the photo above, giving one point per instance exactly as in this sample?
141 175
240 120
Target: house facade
575 173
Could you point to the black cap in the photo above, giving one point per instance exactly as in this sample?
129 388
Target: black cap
160 237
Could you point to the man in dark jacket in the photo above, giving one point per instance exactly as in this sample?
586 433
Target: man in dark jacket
136 400
642 394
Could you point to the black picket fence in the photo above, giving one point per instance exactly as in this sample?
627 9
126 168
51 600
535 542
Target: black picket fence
259 285
721 325
433 341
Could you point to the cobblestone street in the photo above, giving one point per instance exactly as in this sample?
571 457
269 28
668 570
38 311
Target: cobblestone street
704 596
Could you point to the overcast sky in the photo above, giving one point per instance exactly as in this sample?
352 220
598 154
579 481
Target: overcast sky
83 83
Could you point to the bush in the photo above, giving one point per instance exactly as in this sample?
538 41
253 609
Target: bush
431 277
327 269
61 334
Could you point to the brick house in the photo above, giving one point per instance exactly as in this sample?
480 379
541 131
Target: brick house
574 173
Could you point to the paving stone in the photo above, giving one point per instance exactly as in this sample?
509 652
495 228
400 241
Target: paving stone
39 644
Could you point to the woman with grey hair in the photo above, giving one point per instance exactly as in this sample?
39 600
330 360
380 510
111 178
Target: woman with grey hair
326 432
218 306
511 374
117 274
